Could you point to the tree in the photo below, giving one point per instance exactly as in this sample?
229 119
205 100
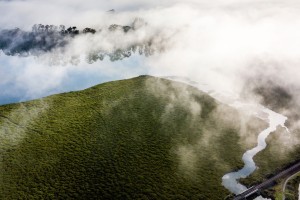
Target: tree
89 30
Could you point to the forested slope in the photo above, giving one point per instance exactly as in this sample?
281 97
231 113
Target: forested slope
142 138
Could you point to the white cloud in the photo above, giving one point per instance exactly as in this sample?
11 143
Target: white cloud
204 40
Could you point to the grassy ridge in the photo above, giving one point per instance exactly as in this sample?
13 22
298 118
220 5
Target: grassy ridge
119 140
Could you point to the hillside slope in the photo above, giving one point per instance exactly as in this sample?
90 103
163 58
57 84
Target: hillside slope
142 138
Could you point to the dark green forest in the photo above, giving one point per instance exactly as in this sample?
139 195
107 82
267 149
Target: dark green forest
141 138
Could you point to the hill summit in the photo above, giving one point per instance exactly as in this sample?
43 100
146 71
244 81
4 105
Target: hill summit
141 138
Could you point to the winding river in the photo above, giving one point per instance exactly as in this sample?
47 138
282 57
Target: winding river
230 180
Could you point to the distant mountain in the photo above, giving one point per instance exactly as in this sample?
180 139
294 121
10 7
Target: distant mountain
141 138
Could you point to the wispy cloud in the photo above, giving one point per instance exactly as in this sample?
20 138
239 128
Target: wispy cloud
224 44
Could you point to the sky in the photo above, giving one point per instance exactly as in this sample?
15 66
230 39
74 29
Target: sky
227 44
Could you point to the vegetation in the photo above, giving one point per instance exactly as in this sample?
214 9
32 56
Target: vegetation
142 138
291 189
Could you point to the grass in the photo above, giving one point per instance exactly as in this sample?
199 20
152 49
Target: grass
291 190
142 138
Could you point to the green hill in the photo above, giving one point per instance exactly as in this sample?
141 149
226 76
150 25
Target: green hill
142 138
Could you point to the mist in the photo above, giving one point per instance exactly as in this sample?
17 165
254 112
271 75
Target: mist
231 42
249 49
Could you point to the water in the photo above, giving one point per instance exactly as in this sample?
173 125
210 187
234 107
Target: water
230 180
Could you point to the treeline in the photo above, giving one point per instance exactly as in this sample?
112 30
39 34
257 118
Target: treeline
72 30
41 39
45 38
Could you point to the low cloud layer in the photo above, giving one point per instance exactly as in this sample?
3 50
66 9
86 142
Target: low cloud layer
234 46
69 44
224 44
